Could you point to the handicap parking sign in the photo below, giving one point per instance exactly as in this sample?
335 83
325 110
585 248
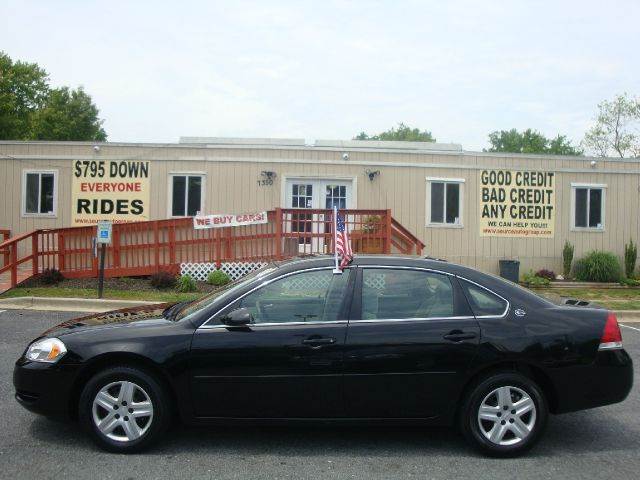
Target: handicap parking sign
104 232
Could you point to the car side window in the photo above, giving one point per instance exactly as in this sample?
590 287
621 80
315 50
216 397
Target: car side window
314 296
399 293
482 301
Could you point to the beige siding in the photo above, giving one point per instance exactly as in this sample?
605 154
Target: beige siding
231 186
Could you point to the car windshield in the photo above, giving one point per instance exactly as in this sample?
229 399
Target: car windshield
221 292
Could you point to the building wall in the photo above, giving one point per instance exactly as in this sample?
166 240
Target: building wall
232 172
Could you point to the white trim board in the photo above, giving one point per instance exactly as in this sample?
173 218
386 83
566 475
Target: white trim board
294 161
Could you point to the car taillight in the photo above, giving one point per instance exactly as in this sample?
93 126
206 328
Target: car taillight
611 337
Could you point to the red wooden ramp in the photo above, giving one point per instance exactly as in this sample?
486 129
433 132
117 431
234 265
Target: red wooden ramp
144 248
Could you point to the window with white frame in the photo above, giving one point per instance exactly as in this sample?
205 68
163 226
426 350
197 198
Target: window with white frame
186 194
39 192
444 201
588 206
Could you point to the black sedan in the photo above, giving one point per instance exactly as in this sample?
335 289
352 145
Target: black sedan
400 340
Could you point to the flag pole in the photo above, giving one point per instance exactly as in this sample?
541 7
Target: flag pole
336 268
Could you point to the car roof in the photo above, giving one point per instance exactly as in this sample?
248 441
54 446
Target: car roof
298 263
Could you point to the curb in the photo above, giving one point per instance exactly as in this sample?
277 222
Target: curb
92 305
628 316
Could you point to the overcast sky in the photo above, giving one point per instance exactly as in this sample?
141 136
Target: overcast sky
328 70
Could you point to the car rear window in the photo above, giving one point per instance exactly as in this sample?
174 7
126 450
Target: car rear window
482 301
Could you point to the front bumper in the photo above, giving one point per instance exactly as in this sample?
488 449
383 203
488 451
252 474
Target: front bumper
44 388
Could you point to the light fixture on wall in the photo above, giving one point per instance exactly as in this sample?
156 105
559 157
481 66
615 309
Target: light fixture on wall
372 174
96 148
269 175
593 164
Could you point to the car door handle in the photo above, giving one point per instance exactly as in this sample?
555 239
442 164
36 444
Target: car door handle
318 342
459 336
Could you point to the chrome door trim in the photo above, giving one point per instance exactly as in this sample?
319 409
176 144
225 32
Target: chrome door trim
504 314
401 267
278 324
406 320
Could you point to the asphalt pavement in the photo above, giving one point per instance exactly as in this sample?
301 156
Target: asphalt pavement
598 443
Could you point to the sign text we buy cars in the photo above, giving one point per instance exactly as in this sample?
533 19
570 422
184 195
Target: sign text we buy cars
516 203
113 190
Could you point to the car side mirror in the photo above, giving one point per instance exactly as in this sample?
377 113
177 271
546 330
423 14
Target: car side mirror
238 318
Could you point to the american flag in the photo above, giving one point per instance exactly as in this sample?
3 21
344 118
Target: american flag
343 245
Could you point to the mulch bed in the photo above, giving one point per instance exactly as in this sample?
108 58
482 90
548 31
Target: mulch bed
134 284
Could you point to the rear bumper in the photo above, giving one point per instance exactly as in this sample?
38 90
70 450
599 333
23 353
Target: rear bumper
44 388
608 380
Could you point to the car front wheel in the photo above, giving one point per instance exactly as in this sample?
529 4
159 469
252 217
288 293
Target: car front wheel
124 409
504 415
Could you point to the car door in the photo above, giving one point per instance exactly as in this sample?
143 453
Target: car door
410 342
288 362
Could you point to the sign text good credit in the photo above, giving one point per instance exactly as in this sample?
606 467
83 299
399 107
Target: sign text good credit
112 190
232 220
517 203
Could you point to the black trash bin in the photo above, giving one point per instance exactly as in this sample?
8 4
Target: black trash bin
510 269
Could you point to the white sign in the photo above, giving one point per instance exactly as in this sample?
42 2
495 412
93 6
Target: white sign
104 232
218 221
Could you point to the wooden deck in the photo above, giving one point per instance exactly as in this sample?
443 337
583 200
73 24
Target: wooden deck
144 248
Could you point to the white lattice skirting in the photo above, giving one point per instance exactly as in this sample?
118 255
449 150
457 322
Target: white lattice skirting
200 271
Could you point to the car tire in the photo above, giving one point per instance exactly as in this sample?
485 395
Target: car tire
504 414
124 409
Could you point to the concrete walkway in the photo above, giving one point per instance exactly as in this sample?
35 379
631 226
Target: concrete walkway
68 304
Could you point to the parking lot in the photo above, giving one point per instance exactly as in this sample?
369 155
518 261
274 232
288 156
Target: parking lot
600 443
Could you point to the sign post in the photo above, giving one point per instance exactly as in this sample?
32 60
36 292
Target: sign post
103 237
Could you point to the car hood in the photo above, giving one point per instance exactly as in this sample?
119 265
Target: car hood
115 318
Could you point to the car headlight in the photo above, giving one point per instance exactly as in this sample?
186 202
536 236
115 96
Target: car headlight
48 350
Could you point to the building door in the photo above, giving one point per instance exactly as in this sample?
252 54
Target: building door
319 194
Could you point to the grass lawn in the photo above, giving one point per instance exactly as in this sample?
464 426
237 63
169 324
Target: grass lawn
613 298
157 295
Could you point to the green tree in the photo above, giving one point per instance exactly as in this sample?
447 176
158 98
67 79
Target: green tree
402 133
31 110
530 141
68 115
616 128
23 90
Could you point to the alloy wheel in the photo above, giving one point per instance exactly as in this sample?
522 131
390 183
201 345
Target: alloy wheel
122 411
507 415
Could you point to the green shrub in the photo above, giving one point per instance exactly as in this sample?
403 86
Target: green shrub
218 278
51 276
531 279
162 280
598 266
630 257
567 258
580 269
186 283
630 282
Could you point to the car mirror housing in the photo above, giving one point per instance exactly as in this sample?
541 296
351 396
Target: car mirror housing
238 318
